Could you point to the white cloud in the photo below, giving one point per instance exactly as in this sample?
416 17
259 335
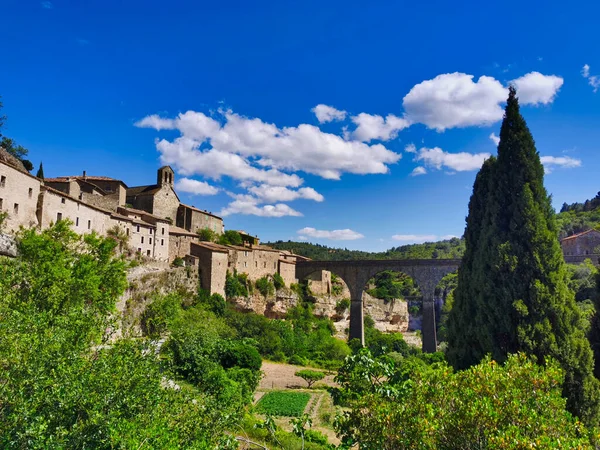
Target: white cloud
535 88
415 238
262 152
326 113
372 127
454 100
495 139
195 187
335 235
249 206
418 171
593 80
270 194
410 148
565 162
460 162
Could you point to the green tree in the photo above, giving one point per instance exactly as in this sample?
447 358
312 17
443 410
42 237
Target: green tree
230 237
512 294
40 172
310 376
517 405
206 234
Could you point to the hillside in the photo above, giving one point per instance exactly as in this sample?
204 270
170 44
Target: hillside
577 217
451 248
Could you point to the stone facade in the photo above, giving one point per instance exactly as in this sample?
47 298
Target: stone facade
582 244
194 219
19 192
213 262
159 199
180 242
148 234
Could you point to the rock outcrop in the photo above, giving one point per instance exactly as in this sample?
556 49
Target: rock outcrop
8 245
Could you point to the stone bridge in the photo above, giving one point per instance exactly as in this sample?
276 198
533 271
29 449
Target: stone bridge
427 273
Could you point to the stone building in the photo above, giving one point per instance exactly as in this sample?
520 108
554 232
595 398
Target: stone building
193 219
19 192
580 246
159 199
180 241
103 192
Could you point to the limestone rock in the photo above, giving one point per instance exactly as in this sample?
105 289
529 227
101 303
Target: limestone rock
8 245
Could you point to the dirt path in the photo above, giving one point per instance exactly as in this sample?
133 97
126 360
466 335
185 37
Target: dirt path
281 376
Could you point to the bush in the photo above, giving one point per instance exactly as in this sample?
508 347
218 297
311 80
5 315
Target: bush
278 281
231 237
239 354
298 360
265 286
310 376
342 305
158 314
236 285
178 262
206 234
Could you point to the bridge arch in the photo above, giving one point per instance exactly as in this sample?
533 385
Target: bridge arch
427 273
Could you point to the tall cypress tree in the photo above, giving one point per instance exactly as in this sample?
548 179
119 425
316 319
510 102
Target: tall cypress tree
512 293
40 172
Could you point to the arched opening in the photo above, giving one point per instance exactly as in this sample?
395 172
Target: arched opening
392 304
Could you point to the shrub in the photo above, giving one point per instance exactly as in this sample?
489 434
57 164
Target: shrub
342 305
298 360
278 281
265 286
231 237
310 376
160 313
178 262
206 234
239 354
235 285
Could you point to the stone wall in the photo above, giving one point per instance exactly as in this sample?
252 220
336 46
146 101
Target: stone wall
583 244
180 242
110 201
56 205
287 270
19 193
212 268
255 262
165 203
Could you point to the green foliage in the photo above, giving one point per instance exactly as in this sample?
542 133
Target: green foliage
342 306
230 237
120 236
390 285
62 385
337 288
310 376
207 234
241 354
3 218
451 248
283 403
40 172
415 405
278 281
512 294
157 316
265 286
236 285
178 262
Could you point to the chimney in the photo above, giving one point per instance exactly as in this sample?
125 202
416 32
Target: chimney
84 174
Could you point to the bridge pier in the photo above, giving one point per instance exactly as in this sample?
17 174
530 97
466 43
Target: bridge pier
428 333
357 324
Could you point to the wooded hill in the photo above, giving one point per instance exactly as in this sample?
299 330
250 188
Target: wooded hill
451 248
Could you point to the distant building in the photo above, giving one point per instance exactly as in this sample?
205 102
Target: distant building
579 246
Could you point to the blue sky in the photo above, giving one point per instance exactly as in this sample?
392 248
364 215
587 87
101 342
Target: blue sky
228 94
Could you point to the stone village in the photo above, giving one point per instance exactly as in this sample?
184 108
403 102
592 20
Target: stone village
161 229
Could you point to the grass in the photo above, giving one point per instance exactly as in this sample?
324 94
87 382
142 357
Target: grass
283 403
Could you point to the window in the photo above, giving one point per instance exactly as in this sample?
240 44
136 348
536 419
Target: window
62 200
148 252
2 181
89 224
162 242
0 204
265 265
30 192
150 241
77 221
139 250
58 217
256 264
16 208
127 231
138 229
163 230
245 253
142 239
150 230
80 195
245 264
